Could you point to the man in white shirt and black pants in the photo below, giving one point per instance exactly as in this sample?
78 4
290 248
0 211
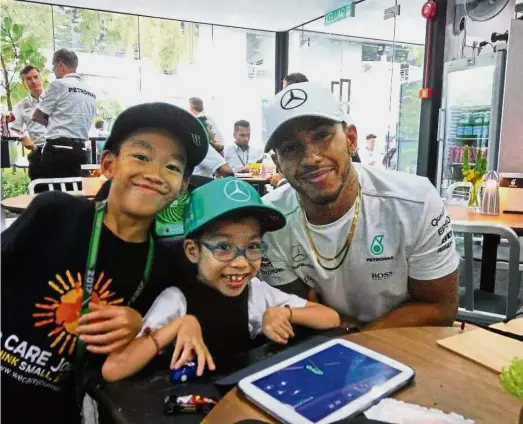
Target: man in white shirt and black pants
32 134
67 111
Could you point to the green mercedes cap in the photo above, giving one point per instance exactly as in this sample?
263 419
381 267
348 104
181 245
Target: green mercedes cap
225 195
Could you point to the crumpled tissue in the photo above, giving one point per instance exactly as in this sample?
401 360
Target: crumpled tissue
398 412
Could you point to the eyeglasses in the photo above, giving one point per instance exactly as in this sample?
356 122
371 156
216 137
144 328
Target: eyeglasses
226 252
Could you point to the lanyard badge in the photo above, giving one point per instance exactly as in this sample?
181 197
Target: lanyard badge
90 271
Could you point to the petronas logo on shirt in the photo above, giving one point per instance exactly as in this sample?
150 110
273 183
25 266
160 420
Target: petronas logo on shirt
376 247
62 312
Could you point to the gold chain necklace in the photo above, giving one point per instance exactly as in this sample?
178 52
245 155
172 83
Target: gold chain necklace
346 246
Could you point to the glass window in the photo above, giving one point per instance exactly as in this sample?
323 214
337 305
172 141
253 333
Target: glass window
36 19
128 59
241 78
108 52
95 32
173 59
375 69
32 29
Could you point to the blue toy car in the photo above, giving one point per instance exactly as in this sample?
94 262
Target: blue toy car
185 373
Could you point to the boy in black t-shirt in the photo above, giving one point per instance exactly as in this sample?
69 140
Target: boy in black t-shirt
66 255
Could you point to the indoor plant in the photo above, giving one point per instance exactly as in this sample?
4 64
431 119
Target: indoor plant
474 174
511 379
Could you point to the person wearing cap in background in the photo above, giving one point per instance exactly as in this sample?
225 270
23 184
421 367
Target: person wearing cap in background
370 154
375 245
98 260
67 111
224 224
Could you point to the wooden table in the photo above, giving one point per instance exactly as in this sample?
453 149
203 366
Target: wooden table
490 241
512 220
19 204
259 182
443 380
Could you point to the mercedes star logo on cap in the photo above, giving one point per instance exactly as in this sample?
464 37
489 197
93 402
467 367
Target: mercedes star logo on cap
236 191
293 98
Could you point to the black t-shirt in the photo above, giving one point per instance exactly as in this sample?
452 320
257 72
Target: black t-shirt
44 254
224 320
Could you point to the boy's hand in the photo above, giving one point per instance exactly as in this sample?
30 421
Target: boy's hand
276 324
107 327
190 339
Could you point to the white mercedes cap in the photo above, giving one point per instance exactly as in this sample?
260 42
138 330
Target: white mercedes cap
298 100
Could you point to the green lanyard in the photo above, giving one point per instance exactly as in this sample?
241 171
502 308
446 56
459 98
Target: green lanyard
90 269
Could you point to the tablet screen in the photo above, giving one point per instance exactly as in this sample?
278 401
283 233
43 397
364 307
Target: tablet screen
321 384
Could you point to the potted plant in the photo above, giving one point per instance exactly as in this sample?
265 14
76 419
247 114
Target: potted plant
474 174
511 380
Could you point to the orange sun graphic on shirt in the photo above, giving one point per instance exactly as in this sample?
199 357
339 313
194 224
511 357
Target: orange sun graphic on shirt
63 311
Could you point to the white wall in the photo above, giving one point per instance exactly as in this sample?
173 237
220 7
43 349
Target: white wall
476 31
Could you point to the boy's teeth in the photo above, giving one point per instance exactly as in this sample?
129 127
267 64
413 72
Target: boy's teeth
235 277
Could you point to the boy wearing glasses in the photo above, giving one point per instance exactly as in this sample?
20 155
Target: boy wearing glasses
224 224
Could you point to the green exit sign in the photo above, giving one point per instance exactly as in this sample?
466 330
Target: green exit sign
339 14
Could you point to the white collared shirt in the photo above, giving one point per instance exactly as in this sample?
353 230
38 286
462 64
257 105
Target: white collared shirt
239 159
403 232
71 106
24 123
217 133
210 164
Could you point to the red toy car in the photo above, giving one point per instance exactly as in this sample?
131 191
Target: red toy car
188 404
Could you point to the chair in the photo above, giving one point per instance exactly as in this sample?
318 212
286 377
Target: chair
514 279
62 183
503 250
453 188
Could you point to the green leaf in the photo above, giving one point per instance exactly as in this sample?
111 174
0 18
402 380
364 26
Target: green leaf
511 378
7 24
17 31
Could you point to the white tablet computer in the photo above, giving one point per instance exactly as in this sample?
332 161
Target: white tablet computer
329 382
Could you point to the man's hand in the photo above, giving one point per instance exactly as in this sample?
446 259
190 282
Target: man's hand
27 142
275 179
107 328
244 170
276 324
217 146
190 339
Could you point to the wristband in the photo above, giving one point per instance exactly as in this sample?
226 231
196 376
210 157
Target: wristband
290 311
149 333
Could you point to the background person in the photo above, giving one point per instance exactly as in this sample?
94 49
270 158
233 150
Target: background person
376 245
32 134
370 155
294 79
212 134
67 111
241 154
100 128
214 163
196 108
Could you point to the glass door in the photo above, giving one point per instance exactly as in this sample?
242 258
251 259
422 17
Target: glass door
472 92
